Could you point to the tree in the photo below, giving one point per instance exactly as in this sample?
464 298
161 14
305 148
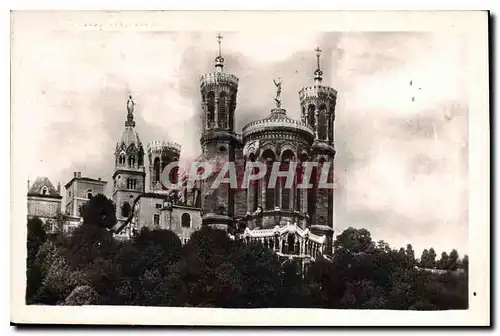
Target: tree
166 240
36 237
431 261
410 255
453 260
99 211
259 268
59 279
82 295
424 259
465 262
354 241
87 243
444 262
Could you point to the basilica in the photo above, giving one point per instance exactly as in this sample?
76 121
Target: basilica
296 223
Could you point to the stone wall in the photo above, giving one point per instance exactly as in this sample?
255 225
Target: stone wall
43 207
148 208
174 221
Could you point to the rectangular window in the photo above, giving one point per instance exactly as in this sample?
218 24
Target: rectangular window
158 206
156 219
131 184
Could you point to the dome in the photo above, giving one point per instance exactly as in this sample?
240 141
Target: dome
277 121
129 137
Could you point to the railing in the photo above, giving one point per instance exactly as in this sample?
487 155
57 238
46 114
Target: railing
158 145
215 77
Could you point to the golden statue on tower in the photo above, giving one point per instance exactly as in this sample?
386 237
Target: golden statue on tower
278 84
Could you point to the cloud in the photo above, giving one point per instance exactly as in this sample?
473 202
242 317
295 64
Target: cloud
405 160
401 164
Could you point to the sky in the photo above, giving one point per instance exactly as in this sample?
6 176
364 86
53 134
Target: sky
401 163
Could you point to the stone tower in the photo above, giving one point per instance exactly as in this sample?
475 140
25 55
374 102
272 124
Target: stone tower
129 175
160 154
318 112
218 140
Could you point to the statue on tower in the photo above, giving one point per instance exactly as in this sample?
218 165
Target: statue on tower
130 115
278 84
130 105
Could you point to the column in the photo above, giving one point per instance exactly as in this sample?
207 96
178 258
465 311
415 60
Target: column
263 192
277 194
316 124
216 117
328 123
205 116
249 196
228 101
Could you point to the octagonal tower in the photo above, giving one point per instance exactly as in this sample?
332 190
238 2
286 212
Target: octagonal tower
218 141
318 112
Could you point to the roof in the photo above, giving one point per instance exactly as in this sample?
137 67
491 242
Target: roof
276 120
130 136
85 179
43 183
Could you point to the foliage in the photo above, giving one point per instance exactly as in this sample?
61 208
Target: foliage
99 211
82 295
211 270
36 237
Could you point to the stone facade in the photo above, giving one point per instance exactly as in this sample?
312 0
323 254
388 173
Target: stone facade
44 202
129 177
78 192
280 215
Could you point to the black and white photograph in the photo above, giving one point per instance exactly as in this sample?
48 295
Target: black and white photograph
329 168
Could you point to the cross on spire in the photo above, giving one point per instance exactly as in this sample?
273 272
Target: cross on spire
318 53
219 39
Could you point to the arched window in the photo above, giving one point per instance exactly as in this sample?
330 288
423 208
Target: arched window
222 110
210 108
89 194
310 115
140 157
232 108
126 209
313 192
254 187
291 243
322 122
331 120
286 193
131 161
45 190
186 220
156 170
269 158
121 159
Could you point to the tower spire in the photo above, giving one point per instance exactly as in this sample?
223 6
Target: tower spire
318 74
219 60
130 112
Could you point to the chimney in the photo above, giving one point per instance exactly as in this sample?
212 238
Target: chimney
28 184
75 174
98 179
59 187
79 174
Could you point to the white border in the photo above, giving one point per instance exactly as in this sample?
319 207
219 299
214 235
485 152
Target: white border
474 24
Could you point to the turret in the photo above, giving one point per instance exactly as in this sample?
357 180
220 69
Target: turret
318 112
218 91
